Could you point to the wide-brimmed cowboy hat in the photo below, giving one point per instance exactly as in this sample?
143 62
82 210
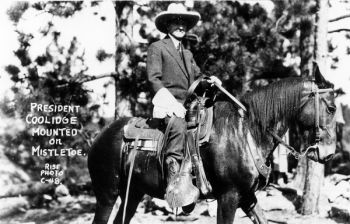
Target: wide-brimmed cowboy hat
176 11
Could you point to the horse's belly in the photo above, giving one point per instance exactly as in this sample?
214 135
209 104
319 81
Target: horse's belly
147 175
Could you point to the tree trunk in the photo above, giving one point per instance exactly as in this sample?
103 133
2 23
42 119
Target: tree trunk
315 171
116 78
307 44
321 47
299 180
313 182
123 43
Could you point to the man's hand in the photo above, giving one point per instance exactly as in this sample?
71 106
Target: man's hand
177 109
213 79
165 104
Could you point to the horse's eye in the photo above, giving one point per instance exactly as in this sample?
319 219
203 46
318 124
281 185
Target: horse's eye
331 110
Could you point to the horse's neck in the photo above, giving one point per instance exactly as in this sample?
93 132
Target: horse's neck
267 147
273 107
227 122
280 128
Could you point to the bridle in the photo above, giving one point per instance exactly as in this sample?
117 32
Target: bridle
315 92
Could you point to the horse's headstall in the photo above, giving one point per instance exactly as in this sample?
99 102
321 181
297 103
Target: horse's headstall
315 90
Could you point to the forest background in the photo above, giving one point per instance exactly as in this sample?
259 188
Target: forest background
93 54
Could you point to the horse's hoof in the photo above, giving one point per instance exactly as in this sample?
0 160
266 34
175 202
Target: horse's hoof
188 208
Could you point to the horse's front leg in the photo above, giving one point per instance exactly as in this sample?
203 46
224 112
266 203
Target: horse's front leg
256 214
227 205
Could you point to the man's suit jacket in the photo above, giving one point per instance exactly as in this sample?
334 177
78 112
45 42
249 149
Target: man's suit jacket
165 68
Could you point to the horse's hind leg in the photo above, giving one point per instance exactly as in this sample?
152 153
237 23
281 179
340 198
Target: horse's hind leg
102 213
106 184
133 201
256 214
106 196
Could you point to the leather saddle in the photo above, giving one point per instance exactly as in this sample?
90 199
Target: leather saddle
148 133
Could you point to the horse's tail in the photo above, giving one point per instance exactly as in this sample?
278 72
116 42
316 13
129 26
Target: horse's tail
131 161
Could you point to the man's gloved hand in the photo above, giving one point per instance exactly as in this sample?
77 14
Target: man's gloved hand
165 104
177 109
213 79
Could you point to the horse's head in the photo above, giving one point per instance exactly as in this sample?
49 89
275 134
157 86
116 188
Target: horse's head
316 117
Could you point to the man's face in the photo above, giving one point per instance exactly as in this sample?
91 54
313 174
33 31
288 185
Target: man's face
177 28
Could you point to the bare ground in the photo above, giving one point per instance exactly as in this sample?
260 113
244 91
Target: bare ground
79 210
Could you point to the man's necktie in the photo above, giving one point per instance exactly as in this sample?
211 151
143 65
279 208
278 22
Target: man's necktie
179 49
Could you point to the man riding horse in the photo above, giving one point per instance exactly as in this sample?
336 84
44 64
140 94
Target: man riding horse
171 70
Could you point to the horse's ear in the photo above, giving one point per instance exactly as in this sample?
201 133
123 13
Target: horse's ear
319 79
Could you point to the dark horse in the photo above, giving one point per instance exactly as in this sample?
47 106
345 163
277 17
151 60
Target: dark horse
228 161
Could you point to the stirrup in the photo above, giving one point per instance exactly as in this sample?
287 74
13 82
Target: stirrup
180 191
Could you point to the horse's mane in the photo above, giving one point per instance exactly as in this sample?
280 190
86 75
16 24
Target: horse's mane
279 101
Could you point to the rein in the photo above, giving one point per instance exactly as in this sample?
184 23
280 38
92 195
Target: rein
292 151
